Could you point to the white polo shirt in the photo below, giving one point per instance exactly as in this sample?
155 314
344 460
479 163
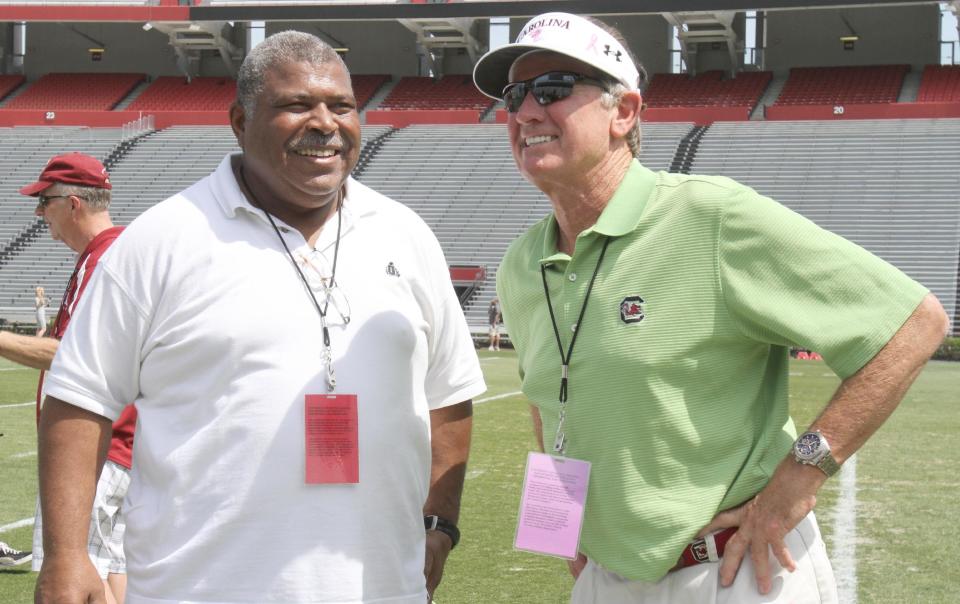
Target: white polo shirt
198 316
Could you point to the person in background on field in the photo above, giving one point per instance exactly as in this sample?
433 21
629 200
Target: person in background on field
40 303
494 319
73 197
301 366
682 295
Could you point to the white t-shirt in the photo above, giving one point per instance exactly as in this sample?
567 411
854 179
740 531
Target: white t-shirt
197 314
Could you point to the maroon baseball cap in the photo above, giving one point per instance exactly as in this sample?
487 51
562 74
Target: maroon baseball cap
71 169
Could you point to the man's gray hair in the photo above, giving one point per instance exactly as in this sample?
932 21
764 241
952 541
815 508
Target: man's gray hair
282 47
611 98
97 199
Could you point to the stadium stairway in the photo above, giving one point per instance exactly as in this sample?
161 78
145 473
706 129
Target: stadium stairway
687 150
131 96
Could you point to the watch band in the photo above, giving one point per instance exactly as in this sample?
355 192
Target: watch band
828 465
436 523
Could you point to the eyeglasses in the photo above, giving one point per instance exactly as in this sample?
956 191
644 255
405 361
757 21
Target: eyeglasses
44 200
330 294
547 88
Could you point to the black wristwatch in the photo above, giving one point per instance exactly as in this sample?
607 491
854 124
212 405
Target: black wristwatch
436 523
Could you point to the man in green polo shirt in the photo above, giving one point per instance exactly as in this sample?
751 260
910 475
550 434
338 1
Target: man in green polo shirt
661 307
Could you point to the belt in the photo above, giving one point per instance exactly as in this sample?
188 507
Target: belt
705 549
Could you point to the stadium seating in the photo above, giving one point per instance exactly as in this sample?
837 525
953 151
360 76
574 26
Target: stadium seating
843 85
709 89
173 93
76 91
449 92
887 185
9 83
939 83
366 86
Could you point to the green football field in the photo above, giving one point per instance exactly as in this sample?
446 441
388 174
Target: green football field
896 543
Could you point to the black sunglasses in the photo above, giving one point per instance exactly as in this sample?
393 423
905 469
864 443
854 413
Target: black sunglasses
547 88
44 200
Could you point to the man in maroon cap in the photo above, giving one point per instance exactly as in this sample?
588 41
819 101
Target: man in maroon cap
73 194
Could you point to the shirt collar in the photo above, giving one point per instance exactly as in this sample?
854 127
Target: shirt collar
356 202
620 216
98 240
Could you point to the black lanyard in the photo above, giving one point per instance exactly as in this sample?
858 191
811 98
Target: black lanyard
559 444
328 351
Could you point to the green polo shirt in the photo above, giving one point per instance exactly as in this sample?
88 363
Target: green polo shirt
684 412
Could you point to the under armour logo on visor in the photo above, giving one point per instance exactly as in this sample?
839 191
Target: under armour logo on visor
616 53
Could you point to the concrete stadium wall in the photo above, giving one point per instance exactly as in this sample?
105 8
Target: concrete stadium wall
110 119
872 111
715 56
58 47
378 47
62 47
888 35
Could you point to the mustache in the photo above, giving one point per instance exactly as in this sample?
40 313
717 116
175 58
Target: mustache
311 140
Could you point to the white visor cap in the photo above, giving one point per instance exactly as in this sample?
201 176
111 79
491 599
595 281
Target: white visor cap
564 34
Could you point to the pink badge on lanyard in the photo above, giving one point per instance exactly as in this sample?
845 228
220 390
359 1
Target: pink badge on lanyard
552 505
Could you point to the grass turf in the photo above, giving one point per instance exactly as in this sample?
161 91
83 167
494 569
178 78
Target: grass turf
906 492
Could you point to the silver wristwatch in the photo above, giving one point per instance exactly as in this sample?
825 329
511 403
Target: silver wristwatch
813 449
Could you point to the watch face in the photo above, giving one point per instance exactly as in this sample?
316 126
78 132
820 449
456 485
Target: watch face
808 445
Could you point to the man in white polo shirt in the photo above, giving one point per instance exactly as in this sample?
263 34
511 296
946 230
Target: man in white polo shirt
661 307
300 363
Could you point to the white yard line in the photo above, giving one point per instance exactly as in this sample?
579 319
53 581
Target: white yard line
16 525
497 397
22 455
845 534
18 405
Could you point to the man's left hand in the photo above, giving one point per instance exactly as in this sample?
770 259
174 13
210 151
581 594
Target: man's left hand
766 519
437 550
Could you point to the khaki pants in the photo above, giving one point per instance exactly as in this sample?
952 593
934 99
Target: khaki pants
811 583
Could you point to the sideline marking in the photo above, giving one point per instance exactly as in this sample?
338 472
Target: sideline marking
497 397
22 455
18 405
16 525
845 534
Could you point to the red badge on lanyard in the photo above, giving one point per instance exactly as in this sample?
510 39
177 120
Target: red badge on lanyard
330 438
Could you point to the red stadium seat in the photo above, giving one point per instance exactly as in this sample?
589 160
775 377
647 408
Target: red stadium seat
939 83
77 91
843 85
708 89
174 93
449 92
